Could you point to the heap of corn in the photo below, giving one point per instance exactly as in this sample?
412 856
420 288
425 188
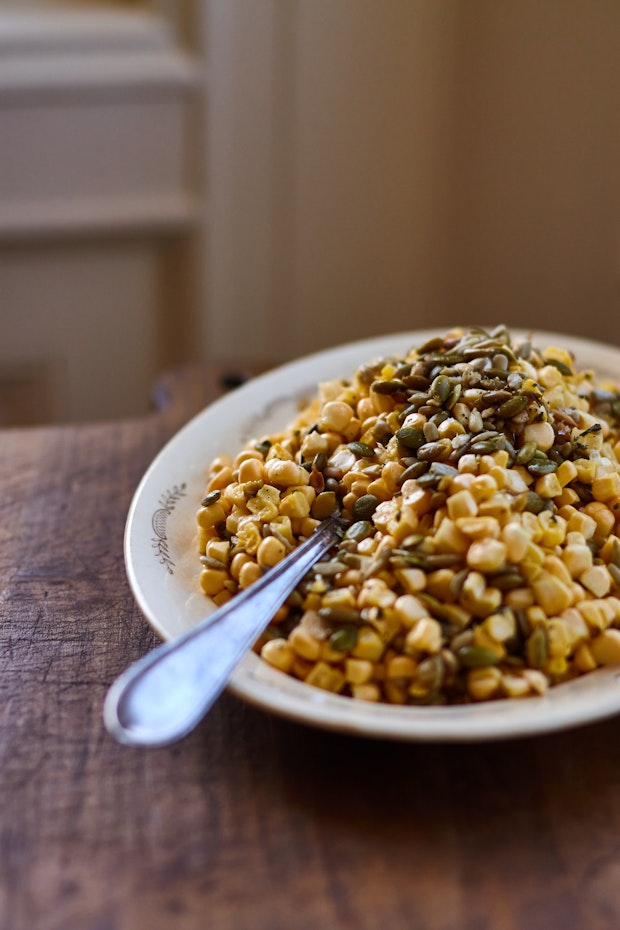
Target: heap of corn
480 479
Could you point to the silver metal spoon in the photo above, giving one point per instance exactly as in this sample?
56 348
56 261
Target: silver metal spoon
163 696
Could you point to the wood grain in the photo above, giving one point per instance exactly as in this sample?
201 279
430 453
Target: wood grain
251 821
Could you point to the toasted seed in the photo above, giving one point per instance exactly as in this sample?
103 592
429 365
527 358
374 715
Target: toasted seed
412 471
513 406
362 449
359 530
536 648
476 656
211 498
411 437
336 615
525 453
432 451
440 388
344 639
364 507
388 387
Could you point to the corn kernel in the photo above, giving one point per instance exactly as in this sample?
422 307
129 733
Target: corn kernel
278 652
486 555
369 645
326 677
597 580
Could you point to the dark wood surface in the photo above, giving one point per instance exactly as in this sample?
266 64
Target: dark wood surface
251 822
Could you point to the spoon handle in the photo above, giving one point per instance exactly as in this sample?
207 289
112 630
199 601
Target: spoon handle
161 697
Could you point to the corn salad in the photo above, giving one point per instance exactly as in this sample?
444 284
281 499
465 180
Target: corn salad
480 480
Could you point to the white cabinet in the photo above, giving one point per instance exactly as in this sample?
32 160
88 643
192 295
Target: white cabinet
97 198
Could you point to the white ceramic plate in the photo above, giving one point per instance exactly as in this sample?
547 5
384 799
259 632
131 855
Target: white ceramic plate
163 568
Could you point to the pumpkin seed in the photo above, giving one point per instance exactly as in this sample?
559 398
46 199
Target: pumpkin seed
364 507
512 407
359 530
362 449
440 388
412 471
433 451
344 639
525 453
211 498
388 387
536 648
476 657
411 437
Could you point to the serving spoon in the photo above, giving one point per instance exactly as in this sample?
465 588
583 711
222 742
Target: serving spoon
163 696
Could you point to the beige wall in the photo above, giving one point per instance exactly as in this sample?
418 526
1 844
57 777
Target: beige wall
383 165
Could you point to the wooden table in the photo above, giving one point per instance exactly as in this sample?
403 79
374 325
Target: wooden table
251 822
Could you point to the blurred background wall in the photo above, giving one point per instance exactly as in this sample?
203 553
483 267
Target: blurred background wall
255 179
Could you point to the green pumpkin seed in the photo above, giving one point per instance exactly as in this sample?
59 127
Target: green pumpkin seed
512 407
365 506
536 648
441 388
412 471
388 387
476 657
359 530
362 449
411 437
211 498
344 639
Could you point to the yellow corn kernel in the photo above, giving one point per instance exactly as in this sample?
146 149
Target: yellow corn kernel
212 581
220 479
596 580
548 486
605 647
516 540
335 416
369 645
577 558
438 583
294 504
500 627
448 537
249 573
484 640
211 515
219 550
540 433
411 580
476 598
270 552
305 644
425 636
538 681
326 677
366 692
519 598
515 686
401 667
499 506
264 504
278 652
583 658
593 614
566 472
582 523
486 555
358 671
557 637
556 566
483 683
586 470
376 593
284 473
461 504
483 487
551 594
553 529
251 469
478 527
604 518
